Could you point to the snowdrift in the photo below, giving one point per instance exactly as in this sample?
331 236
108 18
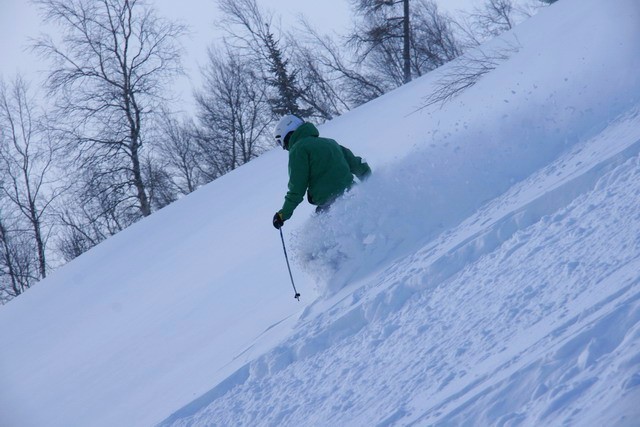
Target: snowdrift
488 272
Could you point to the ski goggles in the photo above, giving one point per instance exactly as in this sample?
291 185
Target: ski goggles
283 142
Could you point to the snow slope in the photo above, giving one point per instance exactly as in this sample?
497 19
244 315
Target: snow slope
487 274
525 313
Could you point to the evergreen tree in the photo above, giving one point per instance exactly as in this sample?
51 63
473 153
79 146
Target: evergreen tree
283 81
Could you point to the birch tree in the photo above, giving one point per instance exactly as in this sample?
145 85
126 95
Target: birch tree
111 72
27 155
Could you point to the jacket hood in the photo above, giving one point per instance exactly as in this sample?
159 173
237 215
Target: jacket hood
305 130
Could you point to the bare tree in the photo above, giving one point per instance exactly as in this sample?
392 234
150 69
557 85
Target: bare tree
162 190
91 212
27 156
10 285
434 41
84 225
233 112
346 84
383 46
76 237
319 83
111 72
493 18
179 147
383 25
18 265
248 28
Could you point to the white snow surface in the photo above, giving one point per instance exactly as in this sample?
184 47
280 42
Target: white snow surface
488 273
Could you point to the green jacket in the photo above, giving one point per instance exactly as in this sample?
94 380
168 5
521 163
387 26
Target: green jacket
319 166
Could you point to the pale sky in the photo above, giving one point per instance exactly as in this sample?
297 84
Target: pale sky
19 22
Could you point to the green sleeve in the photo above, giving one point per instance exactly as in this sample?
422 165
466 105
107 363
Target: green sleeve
357 166
298 181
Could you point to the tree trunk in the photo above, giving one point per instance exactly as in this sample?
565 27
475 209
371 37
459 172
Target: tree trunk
17 290
406 55
34 218
42 264
145 207
132 111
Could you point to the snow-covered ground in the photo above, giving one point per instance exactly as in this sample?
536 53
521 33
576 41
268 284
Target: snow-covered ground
487 274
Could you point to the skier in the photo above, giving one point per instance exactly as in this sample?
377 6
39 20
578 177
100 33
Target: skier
318 166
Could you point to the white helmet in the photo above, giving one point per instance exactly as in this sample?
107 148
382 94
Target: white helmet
286 125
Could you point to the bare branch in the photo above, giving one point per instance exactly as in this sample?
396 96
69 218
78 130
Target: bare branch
466 71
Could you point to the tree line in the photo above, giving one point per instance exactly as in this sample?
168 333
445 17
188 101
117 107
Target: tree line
103 148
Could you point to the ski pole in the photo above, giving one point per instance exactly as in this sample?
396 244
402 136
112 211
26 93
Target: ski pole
297 295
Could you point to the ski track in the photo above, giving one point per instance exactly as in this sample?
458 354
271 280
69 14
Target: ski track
398 320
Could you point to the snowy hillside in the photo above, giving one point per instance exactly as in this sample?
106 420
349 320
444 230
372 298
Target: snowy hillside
487 274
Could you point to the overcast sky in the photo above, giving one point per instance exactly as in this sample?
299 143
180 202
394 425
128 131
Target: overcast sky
19 22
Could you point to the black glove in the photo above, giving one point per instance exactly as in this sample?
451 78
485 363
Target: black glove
278 221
